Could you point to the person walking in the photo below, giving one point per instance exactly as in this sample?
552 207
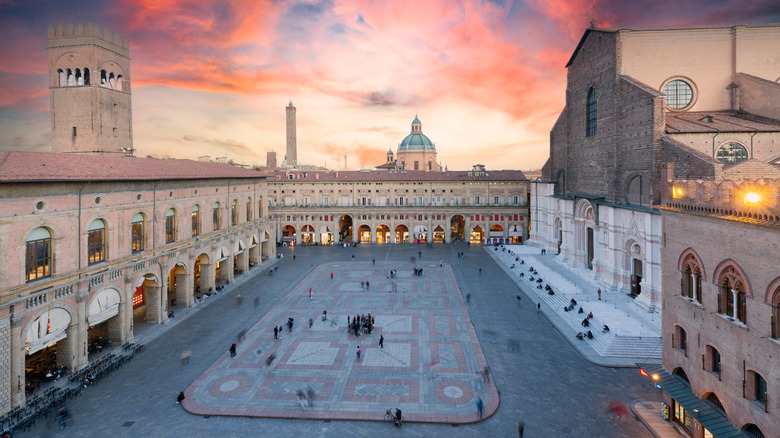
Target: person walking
233 350
368 285
331 276
538 307
358 352
480 271
293 257
520 428
310 293
276 332
280 330
480 405
381 341
373 261
257 302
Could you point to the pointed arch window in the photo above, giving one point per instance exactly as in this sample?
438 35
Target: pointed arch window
38 254
234 213
195 220
775 318
249 209
732 296
590 124
216 216
690 286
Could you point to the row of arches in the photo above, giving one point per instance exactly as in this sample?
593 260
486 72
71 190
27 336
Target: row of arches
724 212
71 77
61 334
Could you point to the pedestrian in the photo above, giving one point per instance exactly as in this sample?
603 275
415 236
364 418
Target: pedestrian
480 271
520 428
362 285
468 298
293 257
276 332
381 341
311 322
309 293
538 307
480 405
257 301
331 276
63 418
353 257
358 352
233 350
373 261
280 331
441 263
368 285
599 292
180 397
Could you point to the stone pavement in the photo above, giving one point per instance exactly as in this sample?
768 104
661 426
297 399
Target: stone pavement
541 378
430 365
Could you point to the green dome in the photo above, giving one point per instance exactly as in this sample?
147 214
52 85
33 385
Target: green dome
416 142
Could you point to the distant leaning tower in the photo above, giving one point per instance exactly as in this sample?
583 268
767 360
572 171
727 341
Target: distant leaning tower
292 141
89 87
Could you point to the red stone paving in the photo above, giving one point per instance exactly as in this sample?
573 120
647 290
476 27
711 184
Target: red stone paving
431 375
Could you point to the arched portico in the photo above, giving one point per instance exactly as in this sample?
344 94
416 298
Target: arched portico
223 266
401 234
240 258
364 234
106 319
254 251
438 234
49 341
383 234
477 235
326 235
203 275
458 228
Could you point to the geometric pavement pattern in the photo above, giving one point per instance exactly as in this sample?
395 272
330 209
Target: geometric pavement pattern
429 367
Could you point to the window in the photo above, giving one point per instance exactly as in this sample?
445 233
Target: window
681 339
732 296
260 207
137 232
731 153
96 242
234 213
249 209
690 285
516 200
679 94
712 363
216 216
170 226
759 387
476 200
590 119
195 220
775 318
430 165
495 200
74 131
416 165
38 254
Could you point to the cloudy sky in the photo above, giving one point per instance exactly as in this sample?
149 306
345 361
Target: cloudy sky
210 77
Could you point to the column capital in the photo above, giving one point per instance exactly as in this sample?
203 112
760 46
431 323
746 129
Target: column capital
81 296
17 319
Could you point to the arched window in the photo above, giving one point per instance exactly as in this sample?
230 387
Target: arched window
137 234
775 319
249 209
731 153
752 431
712 360
680 339
96 242
756 387
195 220
732 296
170 226
38 254
634 191
86 76
690 286
103 79
260 206
216 216
79 78
62 80
71 78
590 119
234 213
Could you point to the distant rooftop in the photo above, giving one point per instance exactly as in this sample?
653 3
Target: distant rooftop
392 175
723 121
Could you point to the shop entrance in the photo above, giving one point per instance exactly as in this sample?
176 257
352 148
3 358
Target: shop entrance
438 234
401 234
383 234
420 234
364 234
307 235
47 348
345 228
477 235
458 228
105 323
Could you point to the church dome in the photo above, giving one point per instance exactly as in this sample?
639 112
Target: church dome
416 141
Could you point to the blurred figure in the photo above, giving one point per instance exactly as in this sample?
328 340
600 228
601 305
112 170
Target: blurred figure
185 357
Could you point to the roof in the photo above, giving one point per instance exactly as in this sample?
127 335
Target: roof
43 166
416 121
653 29
703 412
719 121
392 175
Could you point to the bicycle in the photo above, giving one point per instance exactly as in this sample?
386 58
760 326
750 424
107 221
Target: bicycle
390 417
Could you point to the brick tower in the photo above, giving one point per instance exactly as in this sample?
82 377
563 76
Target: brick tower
292 140
89 88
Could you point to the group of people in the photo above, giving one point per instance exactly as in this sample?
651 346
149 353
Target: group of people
220 288
418 272
393 273
365 285
360 324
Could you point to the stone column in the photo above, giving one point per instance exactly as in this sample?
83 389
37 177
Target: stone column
6 358
77 336
183 289
17 355
226 270
206 277
243 262
254 254
448 234
153 305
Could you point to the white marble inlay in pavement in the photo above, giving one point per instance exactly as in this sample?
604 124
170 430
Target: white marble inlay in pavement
393 355
313 353
393 323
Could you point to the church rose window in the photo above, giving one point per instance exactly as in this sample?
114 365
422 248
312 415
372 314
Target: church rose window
731 153
679 94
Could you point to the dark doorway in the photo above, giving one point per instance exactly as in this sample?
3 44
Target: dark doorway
345 228
560 240
457 228
636 277
590 248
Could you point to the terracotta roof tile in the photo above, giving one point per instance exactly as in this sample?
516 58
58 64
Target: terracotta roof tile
386 175
718 122
42 166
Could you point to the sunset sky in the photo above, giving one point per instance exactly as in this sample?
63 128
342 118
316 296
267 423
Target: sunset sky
486 78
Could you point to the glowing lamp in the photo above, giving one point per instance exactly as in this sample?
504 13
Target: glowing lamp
656 377
752 198
643 372
677 192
